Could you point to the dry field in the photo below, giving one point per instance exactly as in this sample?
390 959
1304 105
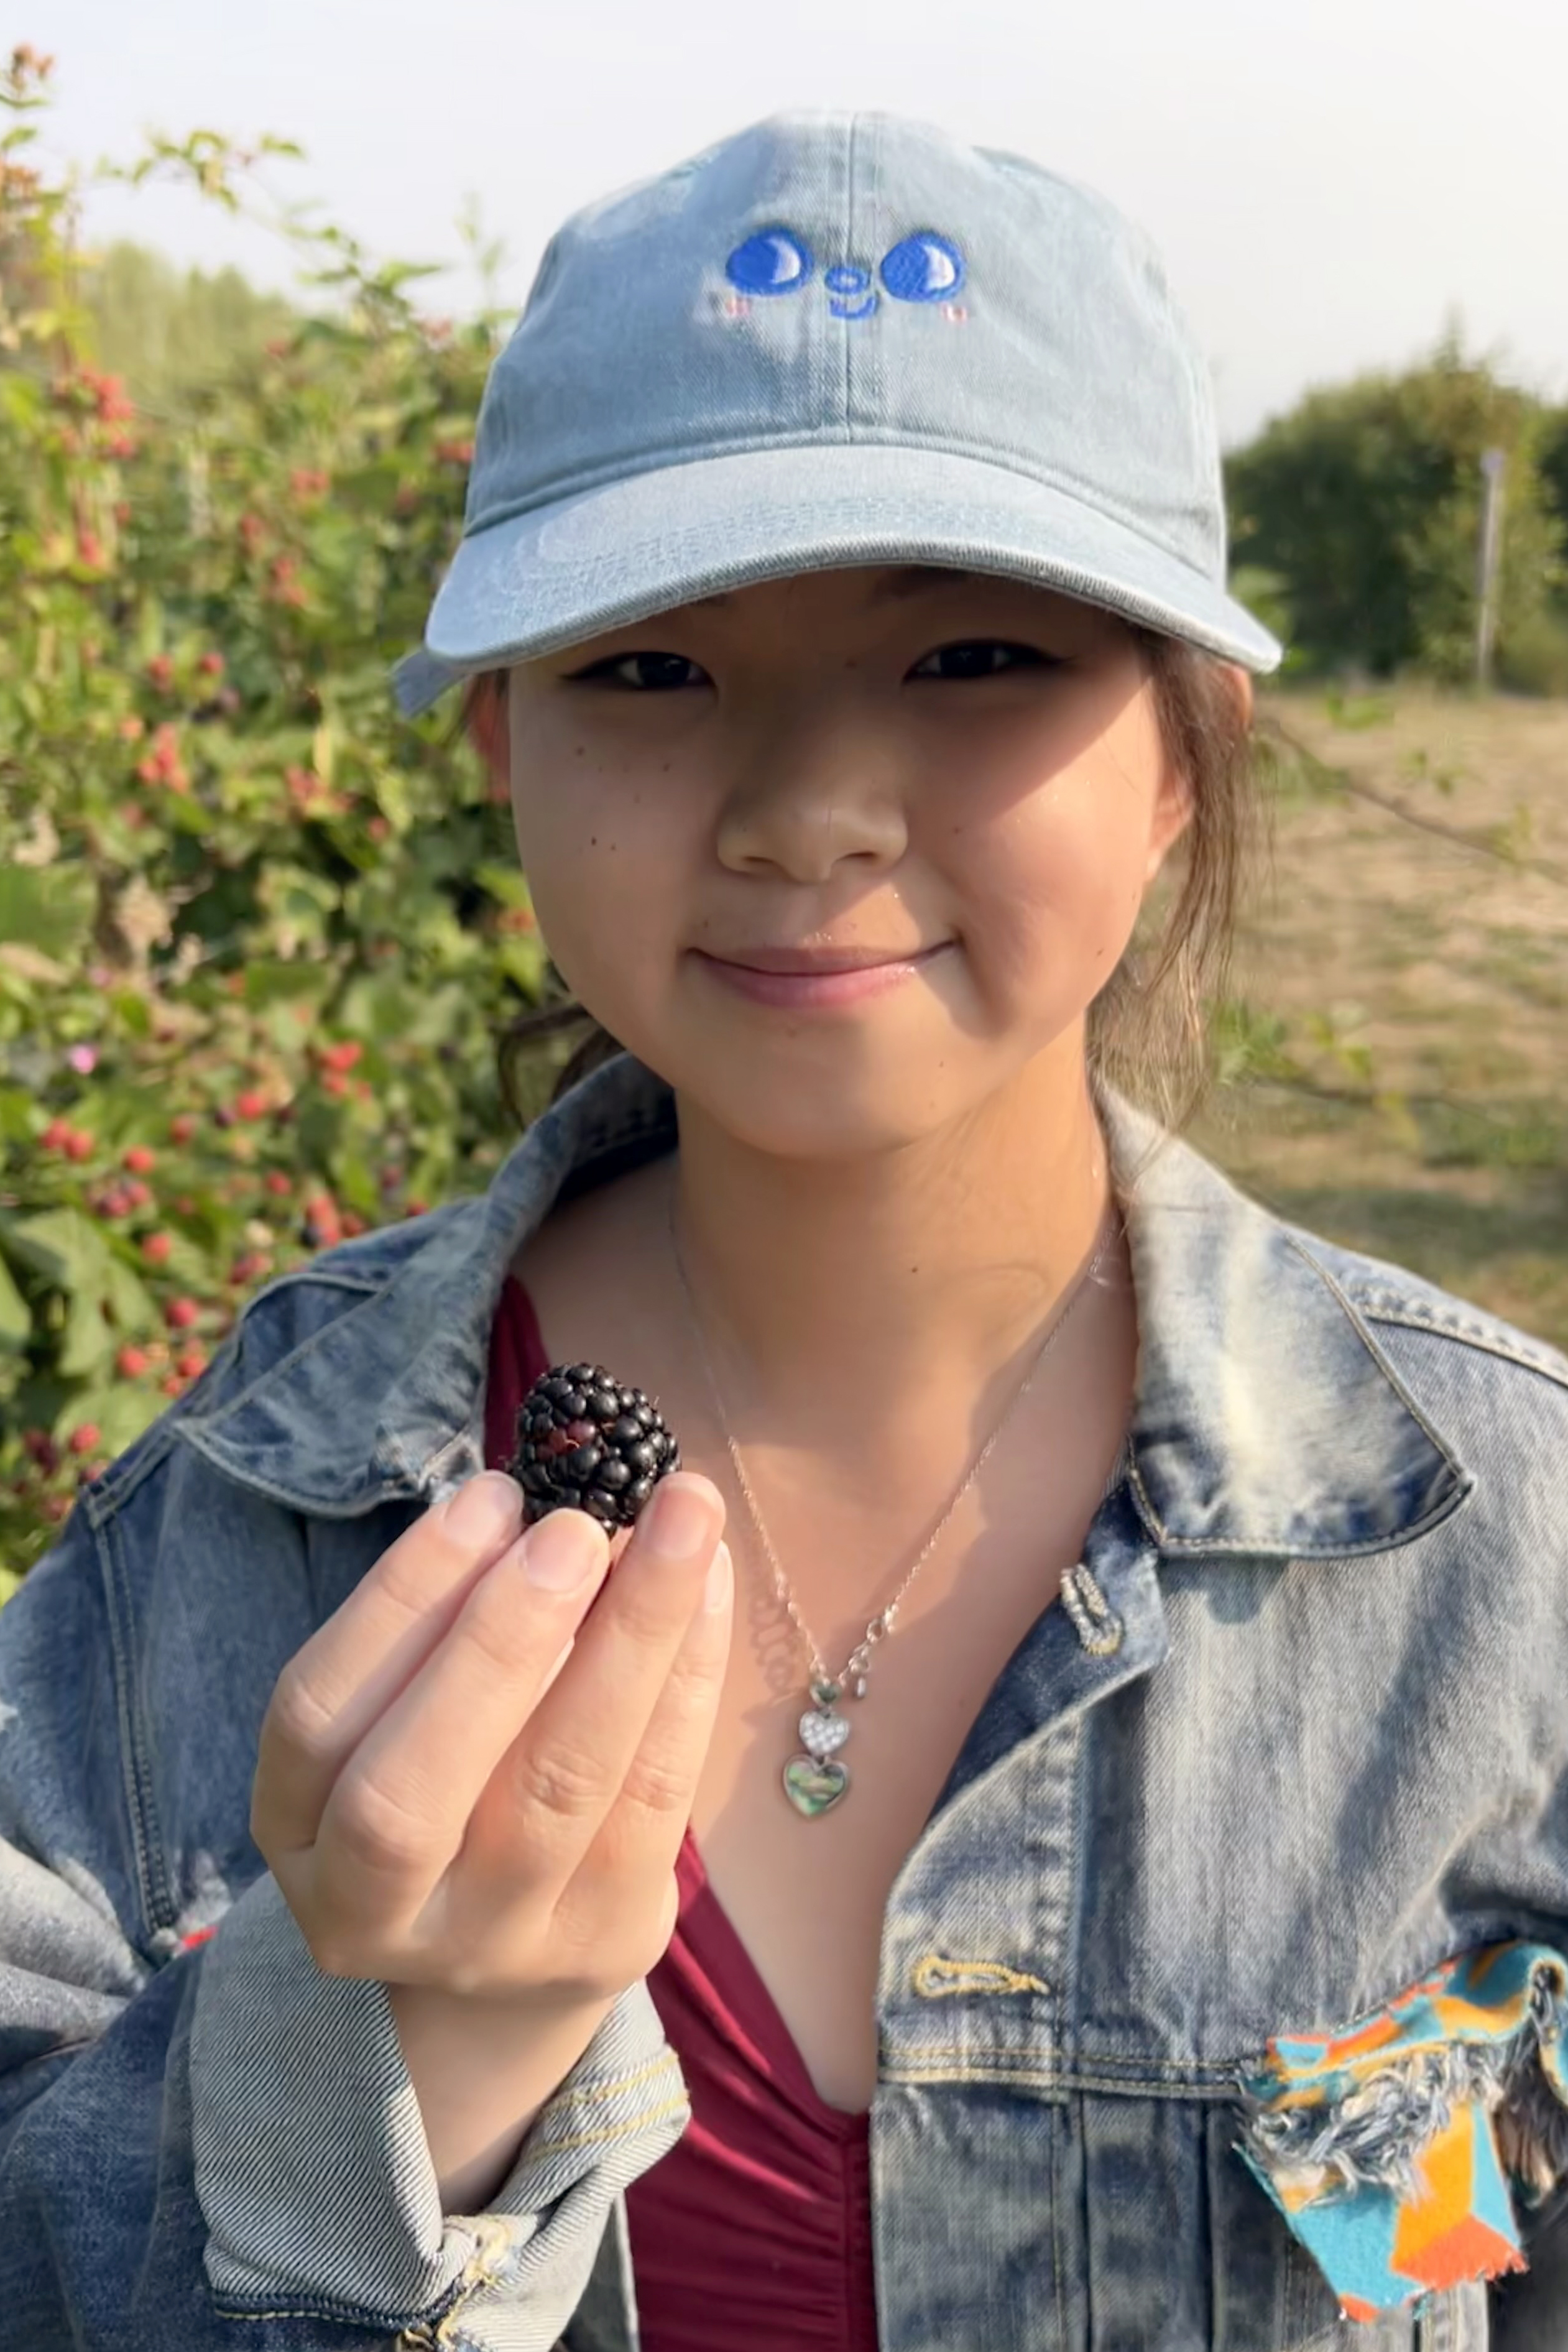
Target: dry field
1449 965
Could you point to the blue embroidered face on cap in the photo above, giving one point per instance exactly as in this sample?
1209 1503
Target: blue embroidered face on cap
677 411
925 267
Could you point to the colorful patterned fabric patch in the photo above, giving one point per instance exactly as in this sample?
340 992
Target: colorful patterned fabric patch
1395 2146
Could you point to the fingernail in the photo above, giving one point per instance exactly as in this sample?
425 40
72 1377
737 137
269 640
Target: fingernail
563 1550
488 1511
721 1580
680 1519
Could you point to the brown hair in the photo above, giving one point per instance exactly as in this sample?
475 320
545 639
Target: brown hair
1147 1031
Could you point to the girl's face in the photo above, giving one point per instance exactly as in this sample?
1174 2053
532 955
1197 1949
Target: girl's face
956 776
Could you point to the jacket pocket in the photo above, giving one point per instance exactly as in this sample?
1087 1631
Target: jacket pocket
1267 2295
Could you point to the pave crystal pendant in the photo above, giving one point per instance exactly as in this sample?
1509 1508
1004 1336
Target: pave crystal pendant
814 1780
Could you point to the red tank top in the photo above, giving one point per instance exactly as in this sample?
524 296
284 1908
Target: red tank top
756 2229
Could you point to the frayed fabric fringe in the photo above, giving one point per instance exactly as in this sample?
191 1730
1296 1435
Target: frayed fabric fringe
1391 2145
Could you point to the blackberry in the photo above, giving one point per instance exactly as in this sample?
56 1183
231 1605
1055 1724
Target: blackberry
585 1443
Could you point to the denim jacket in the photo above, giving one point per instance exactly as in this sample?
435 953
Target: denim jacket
1295 1736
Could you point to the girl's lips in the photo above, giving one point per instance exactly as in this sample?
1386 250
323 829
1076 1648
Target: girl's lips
797 990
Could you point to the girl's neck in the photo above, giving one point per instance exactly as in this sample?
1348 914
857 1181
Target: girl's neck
833 1296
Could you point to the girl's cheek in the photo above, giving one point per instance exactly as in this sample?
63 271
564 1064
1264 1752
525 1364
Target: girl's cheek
1050 907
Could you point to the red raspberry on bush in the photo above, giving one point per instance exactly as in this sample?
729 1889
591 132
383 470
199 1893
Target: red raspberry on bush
278 1183
140 1160
342 1056
132 1362
155 1248
85 1439
182 1128
181 1313
172 1385
251 1103
136 1195
55 1136
161 671
78 1144
211 665
191 1362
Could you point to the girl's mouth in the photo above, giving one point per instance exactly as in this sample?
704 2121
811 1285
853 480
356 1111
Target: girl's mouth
822 982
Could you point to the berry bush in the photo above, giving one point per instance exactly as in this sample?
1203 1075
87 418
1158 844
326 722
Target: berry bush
257 933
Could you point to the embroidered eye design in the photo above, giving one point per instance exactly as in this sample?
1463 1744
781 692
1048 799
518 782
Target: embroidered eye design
924 268
773 261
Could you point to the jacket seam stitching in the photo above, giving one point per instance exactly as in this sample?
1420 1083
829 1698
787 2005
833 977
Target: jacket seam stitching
663 2064
1412 1319
1360 1321
157 1910
606 2132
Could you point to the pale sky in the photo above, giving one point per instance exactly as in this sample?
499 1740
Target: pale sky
1328 182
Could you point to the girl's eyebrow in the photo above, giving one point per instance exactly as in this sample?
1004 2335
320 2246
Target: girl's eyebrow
903 580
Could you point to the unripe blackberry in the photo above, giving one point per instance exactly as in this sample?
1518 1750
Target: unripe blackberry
585 1443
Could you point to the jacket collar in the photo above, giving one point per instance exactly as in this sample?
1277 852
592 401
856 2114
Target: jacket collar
1266 1417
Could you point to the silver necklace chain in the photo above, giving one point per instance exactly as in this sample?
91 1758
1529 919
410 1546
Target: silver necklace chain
828 1780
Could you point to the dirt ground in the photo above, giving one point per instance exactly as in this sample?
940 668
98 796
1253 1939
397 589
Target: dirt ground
1447 964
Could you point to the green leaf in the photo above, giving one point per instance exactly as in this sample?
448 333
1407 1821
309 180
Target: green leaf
132 1012
10 1582
127 1299
16 1317
87 1342
61 1245
50 908
15 1115
507 883
270 983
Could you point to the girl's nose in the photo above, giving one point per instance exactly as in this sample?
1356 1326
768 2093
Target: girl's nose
812 798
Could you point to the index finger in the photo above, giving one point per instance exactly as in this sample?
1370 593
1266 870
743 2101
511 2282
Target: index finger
340 1683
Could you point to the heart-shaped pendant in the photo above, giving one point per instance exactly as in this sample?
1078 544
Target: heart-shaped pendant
812 1786
823 1735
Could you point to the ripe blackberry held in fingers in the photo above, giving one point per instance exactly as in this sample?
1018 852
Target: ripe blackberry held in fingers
586 1442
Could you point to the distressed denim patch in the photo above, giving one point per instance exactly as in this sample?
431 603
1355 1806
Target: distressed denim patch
1397 2146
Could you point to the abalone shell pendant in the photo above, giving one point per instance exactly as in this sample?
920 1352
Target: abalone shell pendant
815 1781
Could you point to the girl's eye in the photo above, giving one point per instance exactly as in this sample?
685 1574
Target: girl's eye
644 673
980 657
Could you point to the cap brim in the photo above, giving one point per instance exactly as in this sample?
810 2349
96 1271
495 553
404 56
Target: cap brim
556 575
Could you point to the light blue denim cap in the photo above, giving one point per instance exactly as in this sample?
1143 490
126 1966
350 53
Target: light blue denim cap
838 339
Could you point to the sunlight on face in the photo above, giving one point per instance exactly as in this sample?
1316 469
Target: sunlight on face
897 762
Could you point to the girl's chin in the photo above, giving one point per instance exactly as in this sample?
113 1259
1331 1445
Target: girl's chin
794 1104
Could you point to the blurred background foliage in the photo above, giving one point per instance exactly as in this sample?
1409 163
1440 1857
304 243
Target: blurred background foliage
258 935
256 932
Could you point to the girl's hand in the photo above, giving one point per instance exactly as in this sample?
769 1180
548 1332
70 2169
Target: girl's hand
448 1800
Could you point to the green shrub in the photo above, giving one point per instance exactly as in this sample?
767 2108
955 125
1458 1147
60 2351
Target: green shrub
257 933
1365 500
1532 657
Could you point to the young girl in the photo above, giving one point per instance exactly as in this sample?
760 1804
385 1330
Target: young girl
1051 1836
